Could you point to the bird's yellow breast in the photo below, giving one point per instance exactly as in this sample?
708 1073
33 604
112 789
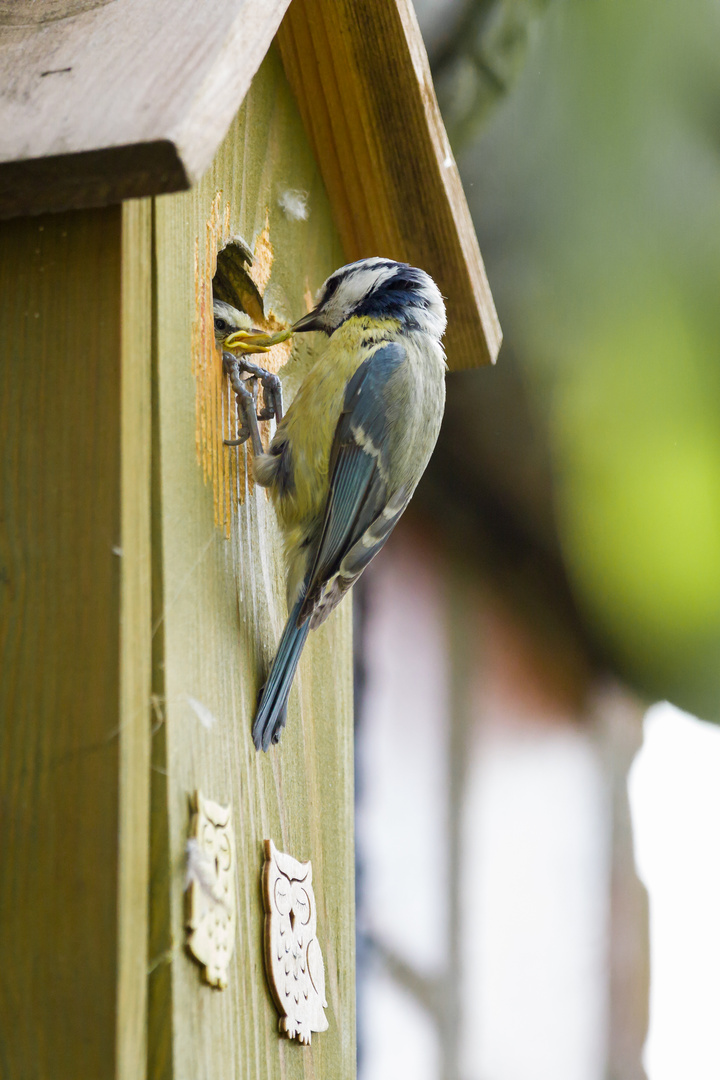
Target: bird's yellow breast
310 422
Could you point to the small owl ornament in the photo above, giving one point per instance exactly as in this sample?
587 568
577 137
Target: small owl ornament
210 888
293 959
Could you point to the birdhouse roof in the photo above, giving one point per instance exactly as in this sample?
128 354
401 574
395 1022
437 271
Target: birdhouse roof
104 100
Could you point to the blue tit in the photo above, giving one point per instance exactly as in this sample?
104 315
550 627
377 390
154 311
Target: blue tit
352 447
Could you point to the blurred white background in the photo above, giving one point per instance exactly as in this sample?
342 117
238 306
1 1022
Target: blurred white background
675 799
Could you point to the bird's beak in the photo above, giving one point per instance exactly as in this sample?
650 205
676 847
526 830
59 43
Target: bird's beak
308 322
254 341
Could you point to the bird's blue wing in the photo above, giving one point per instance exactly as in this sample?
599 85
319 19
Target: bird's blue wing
357 502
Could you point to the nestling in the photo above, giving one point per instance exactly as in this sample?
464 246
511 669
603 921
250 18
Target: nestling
352 447
235 332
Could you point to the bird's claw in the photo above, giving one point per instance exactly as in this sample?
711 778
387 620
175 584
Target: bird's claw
244 397
246 394
272 396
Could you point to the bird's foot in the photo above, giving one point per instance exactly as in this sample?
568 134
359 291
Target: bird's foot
246 392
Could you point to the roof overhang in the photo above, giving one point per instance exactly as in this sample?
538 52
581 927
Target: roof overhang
104 100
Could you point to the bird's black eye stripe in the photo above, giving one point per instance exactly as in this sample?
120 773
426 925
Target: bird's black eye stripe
220 324
330 289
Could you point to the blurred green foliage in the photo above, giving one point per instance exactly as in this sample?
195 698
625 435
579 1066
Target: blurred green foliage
595 188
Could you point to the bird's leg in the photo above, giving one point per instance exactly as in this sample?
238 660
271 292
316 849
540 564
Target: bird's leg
247 342
246 404
246 390
272 388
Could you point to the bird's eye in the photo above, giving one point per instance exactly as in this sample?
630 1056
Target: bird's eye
220 324
328 291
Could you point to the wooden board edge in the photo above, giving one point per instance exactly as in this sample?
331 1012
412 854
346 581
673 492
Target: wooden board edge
135 639
90 178
467 241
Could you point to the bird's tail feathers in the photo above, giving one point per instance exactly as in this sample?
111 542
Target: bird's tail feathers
271 714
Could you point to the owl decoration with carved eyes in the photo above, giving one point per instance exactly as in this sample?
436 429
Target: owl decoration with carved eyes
210 888
293 959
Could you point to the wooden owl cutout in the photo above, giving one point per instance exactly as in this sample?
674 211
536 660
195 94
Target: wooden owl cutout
293 959
210 895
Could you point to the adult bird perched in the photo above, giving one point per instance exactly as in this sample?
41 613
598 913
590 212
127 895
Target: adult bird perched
352 447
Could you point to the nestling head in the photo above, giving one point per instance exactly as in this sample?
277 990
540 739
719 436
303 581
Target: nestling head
378 289
234 331
228 320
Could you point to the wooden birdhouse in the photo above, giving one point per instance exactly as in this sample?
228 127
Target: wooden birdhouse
151 153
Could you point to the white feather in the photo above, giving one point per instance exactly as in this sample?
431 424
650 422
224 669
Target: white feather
293 204
202 712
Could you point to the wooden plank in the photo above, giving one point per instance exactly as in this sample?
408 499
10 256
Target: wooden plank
107 101
135 639
74 637
220 585
362 81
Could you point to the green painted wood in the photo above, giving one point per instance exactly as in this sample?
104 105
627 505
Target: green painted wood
74 642
220 608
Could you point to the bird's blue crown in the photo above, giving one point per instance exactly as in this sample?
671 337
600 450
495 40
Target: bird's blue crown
379 289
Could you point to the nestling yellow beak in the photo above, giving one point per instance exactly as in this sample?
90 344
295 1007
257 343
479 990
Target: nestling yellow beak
254 341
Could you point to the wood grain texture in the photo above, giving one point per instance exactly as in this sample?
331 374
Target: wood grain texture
362 81
74 333
121 99
219 614
135 638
